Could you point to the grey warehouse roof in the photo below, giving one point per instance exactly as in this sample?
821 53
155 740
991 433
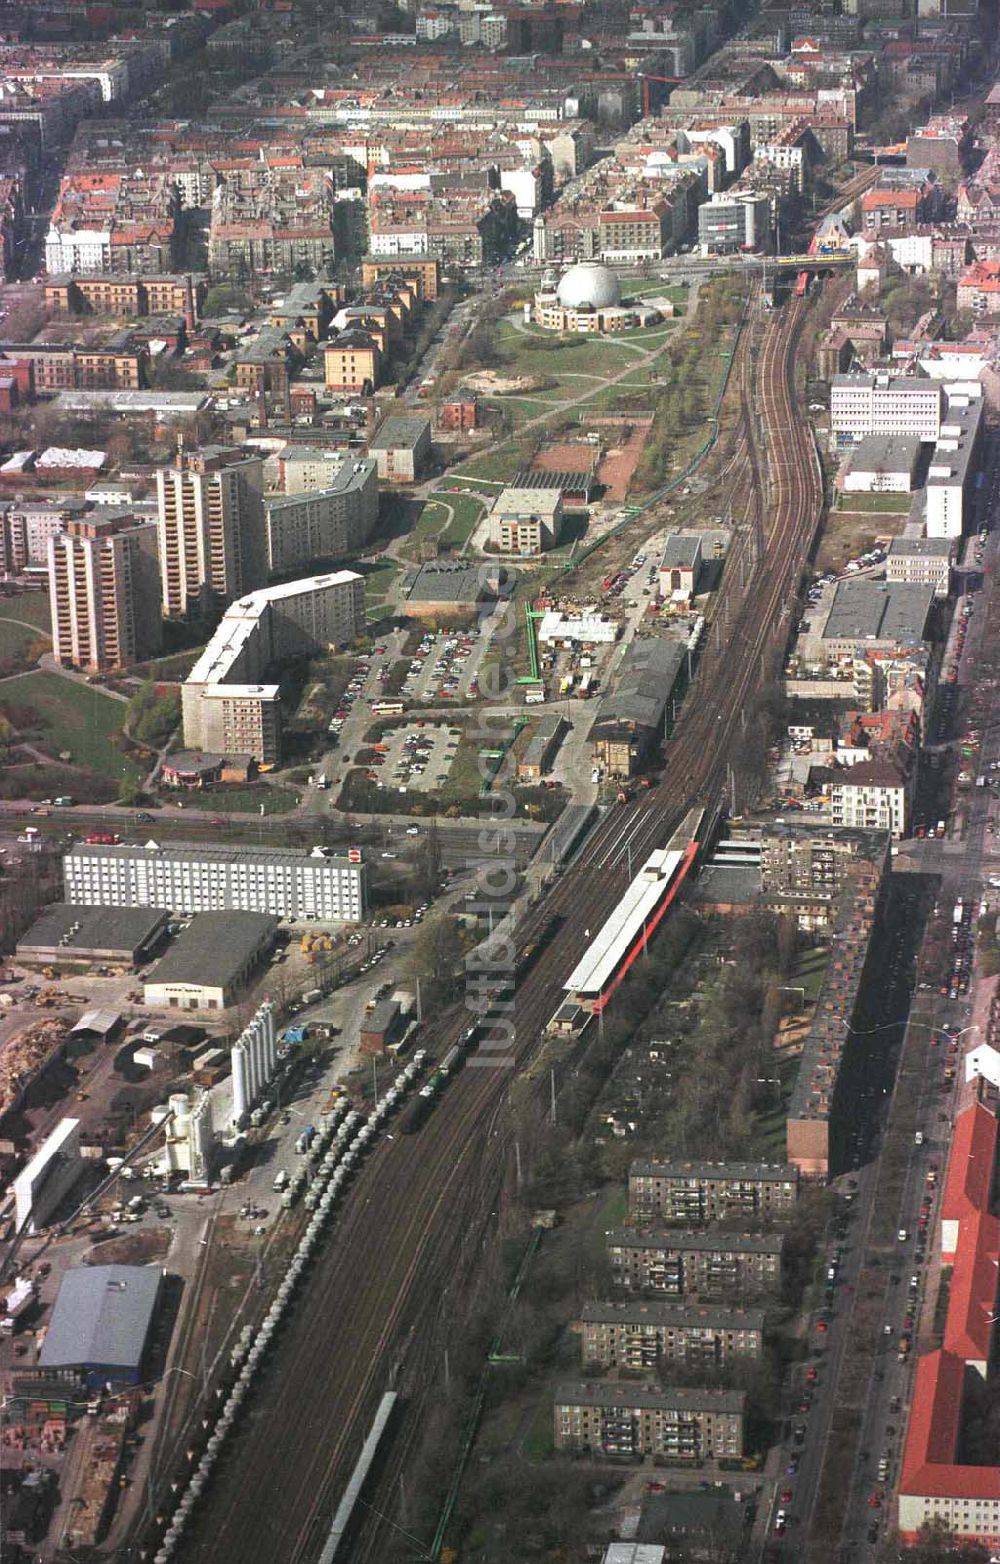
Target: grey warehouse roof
399 432
214 946
885 453
680 552
102 1317
870 611
647 677
440 581
111 929
381 1018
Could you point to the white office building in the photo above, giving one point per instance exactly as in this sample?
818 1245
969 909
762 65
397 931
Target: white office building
48 1178
954 468
885 404
285 882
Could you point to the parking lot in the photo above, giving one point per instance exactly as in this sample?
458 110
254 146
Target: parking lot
445 667
417 757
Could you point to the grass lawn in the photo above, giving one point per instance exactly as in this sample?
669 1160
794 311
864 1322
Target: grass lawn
575 355
808 974
30 607
235 799
428 524
451 518
465 777
488 485
539 1441
873 503
770 1138
378 582
612 1211
74 717
172 669
521 408
497 467
466 516
15 638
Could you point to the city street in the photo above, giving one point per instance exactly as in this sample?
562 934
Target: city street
884 1263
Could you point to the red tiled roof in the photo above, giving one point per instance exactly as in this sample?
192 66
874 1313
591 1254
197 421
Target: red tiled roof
968 1331
971 1164
935 1412
901 198
932 1436
932 1433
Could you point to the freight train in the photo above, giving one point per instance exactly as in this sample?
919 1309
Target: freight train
422 1105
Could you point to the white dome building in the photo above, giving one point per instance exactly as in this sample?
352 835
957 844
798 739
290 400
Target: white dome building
588 298
588 285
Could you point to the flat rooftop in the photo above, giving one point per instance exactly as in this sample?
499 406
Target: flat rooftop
521 500
885 453
607 1394
680 1239
352 475
440 581
110 930
640 1311
895 612
681 552
399 432
197 852
956 444
770 1172
921 548
213 946
102 1316
646 678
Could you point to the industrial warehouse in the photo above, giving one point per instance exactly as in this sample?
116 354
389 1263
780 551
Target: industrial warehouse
212 961
101 1324
66 934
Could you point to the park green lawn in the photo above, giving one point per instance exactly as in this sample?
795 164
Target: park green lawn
30 607
810 970
770 1124
16 638
76 717
496 467
521 408
378 583
574 355
451 518
466 514
488 485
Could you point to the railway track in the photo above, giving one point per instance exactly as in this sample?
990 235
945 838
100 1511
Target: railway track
387 1287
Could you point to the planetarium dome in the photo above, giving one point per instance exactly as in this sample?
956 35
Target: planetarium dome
588 285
